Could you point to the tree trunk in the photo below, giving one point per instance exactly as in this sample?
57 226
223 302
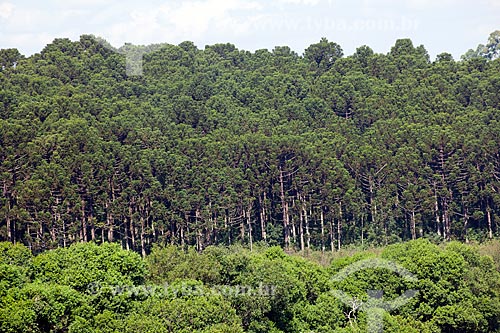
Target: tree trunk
249 223
242 228
227 227
109 222
413 225
92 226
84 221
262 202
436 212
293 226
322 222
126 233
332 236
131 225
446 220
109 218
9 229
143 243
215 230
284 205
182 236
308 234
373 205
362 227
488 216
466 224
301 229
339 227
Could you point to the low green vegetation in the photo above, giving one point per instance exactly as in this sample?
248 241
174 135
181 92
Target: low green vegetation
102 288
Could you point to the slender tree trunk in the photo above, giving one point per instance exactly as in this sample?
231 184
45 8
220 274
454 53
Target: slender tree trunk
373 206
332 236
143 243
249 223
92 226
446 217
227 228
301 229
292 225
284 205
149 218
182 235
199 236
215 230
339 227
126 231
308 234
262 212
322 223
9 229
413 225
436 212
84 221
7 217
131 225
242 228
109 222
362 229
39 234
56 221
65 235
446 220
466 224
488 217
11 234
210 235
28 231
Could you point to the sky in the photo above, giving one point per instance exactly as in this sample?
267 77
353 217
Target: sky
452 26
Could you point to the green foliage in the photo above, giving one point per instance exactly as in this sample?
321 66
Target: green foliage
41 308
86 264
10 277
170 263
17 254
266 290
222 147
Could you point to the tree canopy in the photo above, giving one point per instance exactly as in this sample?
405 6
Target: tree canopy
102 288
223 146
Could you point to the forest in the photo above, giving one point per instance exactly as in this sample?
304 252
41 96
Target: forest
219 190
220 146
90 288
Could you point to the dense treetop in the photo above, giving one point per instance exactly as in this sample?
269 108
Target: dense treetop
89 288
224 146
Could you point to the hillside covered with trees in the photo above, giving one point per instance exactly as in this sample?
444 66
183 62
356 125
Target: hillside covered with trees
220 146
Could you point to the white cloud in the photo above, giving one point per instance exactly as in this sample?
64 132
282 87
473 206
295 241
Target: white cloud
424 4
300 2
187 20
413 4
6 10
485 30
28 25
26 38
195 17
494 3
